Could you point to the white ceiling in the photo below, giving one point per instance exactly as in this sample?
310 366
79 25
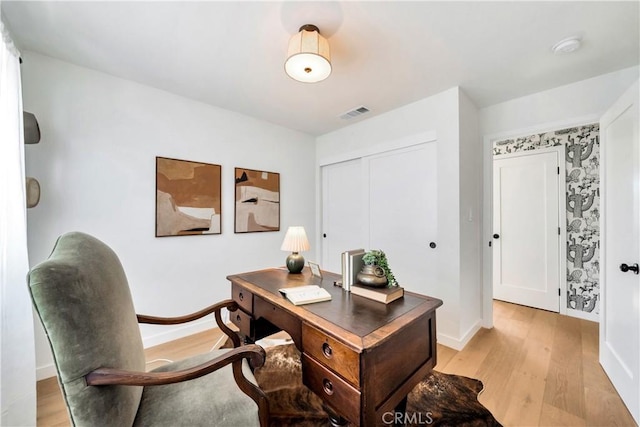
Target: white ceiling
384 54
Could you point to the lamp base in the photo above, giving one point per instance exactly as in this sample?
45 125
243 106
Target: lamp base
295 263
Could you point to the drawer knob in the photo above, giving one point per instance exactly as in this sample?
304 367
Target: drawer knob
327 386
240 296
327 350
238 318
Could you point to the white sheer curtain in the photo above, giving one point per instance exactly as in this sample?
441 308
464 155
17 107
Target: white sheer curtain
17 348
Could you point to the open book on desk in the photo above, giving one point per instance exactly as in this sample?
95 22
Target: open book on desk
308 294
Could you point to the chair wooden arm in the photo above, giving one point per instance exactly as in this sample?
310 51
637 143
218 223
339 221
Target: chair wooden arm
254 353
113 376
229 304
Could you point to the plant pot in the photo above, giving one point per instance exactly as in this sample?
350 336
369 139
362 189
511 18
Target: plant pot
372 275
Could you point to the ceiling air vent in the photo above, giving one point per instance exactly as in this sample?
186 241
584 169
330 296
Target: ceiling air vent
358 111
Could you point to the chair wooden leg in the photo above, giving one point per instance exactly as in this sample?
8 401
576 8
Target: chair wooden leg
253 391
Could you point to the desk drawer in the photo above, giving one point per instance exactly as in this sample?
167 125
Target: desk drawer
243 297
331 353
335 391
254 329
243 321
263 309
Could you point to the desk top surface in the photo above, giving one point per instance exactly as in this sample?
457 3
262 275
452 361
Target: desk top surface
355 314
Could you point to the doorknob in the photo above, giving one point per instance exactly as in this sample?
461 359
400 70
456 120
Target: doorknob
634 267
496 236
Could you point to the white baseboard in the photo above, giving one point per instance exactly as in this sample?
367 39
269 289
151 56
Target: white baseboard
459 343
178 332
173 333
46 371
585 315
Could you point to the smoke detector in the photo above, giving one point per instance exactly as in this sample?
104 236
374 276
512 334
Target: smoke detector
568 45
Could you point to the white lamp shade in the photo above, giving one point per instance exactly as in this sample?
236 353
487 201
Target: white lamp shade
295 240
309 57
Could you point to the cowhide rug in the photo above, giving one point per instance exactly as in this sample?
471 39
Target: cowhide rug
439 400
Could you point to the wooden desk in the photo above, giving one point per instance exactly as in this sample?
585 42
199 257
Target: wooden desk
360 356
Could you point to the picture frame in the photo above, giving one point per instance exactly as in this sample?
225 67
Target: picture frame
188 197
257 201
315 269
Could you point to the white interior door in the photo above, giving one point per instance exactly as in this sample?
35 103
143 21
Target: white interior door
526 251
342 207
403 213
620 293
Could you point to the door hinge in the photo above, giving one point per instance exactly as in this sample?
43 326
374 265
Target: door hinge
559 231
558 170
559 292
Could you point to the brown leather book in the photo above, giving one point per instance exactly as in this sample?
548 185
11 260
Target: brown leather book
385 295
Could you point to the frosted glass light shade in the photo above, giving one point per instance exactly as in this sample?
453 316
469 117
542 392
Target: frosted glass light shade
295 240
309 56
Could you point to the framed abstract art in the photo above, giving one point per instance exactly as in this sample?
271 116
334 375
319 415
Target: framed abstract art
257 201
188 197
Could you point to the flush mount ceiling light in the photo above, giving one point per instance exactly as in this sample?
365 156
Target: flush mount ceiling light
308 58
567 45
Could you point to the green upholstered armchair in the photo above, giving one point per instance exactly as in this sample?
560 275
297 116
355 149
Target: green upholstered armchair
82 297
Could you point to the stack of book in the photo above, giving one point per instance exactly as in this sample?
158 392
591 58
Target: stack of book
351 266
385 295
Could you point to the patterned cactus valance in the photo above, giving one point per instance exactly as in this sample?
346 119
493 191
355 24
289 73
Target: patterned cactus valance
582 156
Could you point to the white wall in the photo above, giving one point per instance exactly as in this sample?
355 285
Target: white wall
470 218
586 98
437 114
96 167
574 104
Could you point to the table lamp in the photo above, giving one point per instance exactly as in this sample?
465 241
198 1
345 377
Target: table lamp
295 241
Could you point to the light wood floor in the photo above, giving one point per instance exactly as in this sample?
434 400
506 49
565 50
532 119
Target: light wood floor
538 368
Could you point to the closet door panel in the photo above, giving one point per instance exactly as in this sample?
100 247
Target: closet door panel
342 206
403 213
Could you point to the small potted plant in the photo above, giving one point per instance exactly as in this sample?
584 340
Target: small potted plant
376 271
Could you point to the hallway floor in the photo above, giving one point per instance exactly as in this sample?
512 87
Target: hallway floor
539 369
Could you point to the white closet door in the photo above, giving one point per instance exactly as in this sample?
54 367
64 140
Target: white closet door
342 206
403 213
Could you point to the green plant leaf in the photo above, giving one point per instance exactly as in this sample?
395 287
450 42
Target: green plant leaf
379 258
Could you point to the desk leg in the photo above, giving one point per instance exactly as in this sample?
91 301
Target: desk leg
401 409
334 419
